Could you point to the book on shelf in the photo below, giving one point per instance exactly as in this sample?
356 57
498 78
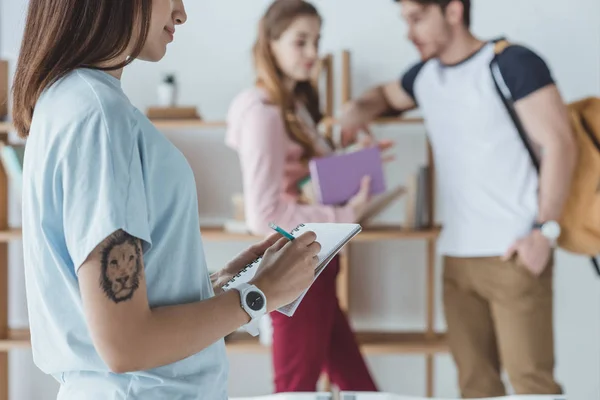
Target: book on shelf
418 197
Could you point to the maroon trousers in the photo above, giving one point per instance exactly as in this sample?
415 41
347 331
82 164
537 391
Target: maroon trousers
318 338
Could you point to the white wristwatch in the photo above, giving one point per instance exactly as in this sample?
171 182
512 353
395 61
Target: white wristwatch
254 302
550 230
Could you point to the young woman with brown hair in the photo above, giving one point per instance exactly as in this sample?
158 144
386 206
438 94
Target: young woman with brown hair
273 128
120 302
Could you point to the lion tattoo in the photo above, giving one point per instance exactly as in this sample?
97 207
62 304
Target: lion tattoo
121 267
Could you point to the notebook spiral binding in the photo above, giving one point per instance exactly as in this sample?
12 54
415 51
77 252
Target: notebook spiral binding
253 263
243 270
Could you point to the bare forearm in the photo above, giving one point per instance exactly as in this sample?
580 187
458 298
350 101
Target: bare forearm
172 333
545 117
372 104
555 180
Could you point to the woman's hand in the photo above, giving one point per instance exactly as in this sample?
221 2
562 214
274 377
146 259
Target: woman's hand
360 200
220 278
287 269
361 136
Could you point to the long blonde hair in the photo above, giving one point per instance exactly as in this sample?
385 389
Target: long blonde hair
277 19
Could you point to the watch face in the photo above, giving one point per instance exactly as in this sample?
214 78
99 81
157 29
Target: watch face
255 301
551 230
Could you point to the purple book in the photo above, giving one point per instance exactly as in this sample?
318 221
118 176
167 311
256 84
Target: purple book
337 178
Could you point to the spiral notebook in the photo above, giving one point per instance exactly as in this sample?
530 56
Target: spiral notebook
331 236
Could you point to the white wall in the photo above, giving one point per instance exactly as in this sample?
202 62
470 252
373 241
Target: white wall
212 59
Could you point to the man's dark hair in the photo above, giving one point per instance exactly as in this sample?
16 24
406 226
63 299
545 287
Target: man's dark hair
444 3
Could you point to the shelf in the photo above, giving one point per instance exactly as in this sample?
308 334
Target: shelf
406 343
160 124
187 123
383 232
6 127
10 235
371 343
398 120
382 121
218 234
198 123
369 234
16 339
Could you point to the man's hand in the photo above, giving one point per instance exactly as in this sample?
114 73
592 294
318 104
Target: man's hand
384 145
532 251
218 279
353 121
378 101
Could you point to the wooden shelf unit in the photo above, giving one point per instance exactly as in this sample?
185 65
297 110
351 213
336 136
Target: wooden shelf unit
427 343
219 234
371 343
194 124
15 339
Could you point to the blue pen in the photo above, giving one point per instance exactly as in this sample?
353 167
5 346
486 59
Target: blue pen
284 233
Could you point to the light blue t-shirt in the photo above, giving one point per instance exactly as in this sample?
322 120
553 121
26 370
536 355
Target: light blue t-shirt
94 164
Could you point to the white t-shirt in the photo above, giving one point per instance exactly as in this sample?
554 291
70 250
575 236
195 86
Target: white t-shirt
93 165
487 183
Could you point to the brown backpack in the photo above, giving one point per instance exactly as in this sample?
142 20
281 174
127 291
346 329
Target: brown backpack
580 221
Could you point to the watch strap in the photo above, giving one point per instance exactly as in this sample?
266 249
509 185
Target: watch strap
251 327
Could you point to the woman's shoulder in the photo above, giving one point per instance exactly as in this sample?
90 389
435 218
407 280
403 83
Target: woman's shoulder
82 94
82 107
251 101
251 113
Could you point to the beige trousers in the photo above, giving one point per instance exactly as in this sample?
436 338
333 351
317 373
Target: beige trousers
499 316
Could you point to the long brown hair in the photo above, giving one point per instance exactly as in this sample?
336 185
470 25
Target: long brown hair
277 19
62 35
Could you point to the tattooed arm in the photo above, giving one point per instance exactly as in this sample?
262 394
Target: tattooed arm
130 336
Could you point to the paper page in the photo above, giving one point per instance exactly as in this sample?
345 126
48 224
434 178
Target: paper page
331 236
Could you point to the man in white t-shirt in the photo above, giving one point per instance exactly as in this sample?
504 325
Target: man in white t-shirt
499 216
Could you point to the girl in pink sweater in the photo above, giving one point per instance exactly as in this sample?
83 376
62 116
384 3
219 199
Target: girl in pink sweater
273 128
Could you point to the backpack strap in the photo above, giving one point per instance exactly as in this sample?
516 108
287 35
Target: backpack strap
596 265
506 97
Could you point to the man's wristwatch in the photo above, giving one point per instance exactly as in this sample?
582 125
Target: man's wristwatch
254 302
549 229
